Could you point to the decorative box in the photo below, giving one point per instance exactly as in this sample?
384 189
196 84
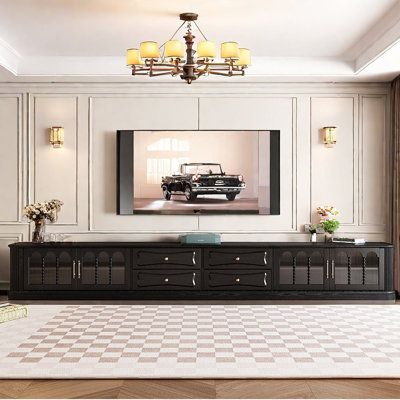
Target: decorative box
9 312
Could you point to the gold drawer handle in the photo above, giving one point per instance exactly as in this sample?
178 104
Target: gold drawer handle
237 280
166 280
237 258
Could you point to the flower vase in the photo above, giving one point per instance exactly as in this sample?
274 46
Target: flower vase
39 231
329 236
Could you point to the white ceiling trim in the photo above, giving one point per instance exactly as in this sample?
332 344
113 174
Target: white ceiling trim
115 66
378 48
9 57
381 38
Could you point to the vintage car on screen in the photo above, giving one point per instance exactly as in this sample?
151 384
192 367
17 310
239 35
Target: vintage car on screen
200 179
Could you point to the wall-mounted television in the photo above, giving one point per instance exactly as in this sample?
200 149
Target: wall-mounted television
198 172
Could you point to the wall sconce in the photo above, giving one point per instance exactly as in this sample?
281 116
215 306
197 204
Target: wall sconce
329 135
56 136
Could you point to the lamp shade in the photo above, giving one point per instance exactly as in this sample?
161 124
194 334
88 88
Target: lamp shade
329 135
133 57
57 136
206 49
229 50
149 50
244 57
174 49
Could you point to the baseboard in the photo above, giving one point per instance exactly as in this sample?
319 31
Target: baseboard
4 286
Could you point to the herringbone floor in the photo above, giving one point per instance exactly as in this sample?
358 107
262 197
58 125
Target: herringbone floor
202 389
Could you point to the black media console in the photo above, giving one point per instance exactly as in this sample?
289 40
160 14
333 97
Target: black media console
246 271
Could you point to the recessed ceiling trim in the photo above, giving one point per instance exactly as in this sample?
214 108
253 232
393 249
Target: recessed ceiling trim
9 57
384 35
114 66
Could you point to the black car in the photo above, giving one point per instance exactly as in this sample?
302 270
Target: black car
202 178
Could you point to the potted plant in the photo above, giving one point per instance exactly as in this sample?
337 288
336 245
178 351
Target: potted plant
328 221
39 213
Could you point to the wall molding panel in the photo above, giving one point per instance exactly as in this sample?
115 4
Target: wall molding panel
373 149
342 158
55 172
11 157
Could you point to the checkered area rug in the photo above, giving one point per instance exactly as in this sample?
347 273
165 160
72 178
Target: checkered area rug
202 341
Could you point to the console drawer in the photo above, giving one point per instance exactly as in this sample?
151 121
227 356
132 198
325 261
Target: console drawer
238 258
166 280
174 258
238 280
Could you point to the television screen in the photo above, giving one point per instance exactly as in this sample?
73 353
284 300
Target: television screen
201 172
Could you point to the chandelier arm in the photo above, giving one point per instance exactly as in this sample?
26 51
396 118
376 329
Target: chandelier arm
220 64
213 72
161 73
163 69
172 65
202 34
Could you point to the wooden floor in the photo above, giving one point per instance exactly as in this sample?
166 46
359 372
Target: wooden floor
202 389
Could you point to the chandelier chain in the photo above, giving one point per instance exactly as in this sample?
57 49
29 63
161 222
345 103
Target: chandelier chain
202 34
183 23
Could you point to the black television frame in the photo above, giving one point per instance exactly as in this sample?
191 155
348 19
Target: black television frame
125 172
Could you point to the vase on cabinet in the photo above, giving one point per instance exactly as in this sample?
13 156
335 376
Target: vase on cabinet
329 236
39 231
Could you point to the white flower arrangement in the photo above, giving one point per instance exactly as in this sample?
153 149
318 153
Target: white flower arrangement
43 210
327 213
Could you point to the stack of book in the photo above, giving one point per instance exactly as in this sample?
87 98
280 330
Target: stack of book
9 312
348 240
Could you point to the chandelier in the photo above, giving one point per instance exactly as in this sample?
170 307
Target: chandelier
169 58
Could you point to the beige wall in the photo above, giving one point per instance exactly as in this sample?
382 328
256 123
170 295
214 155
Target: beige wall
353 175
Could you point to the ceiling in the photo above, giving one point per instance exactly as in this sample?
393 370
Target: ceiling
290 40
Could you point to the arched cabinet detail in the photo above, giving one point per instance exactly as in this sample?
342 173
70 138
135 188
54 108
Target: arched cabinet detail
301 269
48 268
357 269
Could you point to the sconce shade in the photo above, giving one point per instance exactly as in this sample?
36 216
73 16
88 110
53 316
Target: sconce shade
57 136
244 57
229 50
329 135
206 49
174 49
133 57
149 50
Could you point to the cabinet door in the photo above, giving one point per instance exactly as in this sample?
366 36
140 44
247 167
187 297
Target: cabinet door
103 269
47 268
357 269
301 269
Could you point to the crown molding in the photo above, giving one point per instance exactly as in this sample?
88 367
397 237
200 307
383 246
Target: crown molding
377 41
115 67
9 57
